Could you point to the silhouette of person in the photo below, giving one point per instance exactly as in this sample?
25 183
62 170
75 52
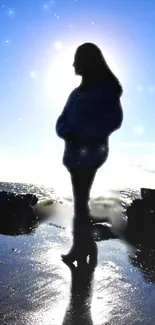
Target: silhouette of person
92 112
79 307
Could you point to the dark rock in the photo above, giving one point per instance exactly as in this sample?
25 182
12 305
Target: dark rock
141 212
140 222
148 195
17 213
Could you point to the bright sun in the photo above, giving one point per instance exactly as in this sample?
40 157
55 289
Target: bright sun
60 77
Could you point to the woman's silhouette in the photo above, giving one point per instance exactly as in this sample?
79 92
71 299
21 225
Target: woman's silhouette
92 112
81 291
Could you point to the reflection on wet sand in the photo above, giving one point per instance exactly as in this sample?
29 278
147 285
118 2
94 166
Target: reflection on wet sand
36 284
113 296
144 260
79 308
141 246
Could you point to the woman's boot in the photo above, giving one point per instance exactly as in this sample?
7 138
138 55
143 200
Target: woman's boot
84 246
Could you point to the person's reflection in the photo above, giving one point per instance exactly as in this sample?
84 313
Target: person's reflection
79 309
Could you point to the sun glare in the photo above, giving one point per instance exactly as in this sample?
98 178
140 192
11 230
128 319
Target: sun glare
60 75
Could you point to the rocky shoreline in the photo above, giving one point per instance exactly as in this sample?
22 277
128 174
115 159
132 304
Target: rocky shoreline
19 214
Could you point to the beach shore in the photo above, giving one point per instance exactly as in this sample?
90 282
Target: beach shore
38 288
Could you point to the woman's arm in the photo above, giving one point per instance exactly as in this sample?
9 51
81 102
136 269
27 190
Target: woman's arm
63 129
108 119
113 118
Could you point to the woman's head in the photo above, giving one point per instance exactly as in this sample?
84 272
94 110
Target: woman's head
89 61
88 58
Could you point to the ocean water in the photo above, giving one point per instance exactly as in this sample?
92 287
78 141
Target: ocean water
41 191
35 285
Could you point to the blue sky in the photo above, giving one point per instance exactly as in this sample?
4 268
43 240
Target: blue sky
37 43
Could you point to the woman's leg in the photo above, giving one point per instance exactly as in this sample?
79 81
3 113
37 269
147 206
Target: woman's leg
83 242
82 180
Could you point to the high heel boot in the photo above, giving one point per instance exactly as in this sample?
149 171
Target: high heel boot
83 246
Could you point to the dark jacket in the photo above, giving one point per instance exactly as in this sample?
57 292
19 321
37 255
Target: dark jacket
87 120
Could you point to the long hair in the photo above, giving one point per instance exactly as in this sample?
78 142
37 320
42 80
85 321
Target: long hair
89 60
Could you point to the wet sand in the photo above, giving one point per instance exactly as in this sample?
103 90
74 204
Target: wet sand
37 288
